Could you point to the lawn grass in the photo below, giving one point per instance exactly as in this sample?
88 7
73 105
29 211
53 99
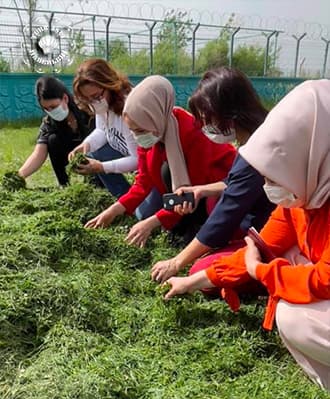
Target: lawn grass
81 319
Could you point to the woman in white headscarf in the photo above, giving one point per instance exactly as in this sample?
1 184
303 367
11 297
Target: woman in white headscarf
292 150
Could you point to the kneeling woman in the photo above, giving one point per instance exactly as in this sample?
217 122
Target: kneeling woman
166 135
64 127
291 149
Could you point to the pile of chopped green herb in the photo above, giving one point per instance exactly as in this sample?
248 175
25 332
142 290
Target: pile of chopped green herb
12 181
81 318
78 159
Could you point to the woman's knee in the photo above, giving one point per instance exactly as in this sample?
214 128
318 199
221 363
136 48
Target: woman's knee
304 325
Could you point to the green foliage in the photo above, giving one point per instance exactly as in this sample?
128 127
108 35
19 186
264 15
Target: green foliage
80 317
4 64
213 55
171 61
12 181
250 59
170 55
78 159
175 29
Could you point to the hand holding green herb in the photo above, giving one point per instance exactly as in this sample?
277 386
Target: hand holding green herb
78 159
12 181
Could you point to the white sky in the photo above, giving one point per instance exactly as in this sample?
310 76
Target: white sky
292 17
308 10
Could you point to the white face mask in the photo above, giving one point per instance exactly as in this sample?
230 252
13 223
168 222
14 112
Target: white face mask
59 113
146 140
100 107
280 196
218 136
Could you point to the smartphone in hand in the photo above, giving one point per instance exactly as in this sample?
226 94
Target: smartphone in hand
172 199
266 254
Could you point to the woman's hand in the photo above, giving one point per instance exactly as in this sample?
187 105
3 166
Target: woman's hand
105 218
187 207
83 147
141 231
189 284
252 257
164 269
93 166
179 286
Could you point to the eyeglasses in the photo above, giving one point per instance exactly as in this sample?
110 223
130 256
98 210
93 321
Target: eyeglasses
94 99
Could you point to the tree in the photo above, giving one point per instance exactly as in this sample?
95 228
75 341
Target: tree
170 55
215 53
250 60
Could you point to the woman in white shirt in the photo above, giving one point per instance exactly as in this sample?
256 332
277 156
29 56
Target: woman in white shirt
111 147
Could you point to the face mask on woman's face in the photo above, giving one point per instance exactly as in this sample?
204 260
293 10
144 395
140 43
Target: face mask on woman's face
59 113
100 107
146 140
280 196
219 136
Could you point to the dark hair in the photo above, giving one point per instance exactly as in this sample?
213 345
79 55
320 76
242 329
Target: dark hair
49 88
100 73
225 94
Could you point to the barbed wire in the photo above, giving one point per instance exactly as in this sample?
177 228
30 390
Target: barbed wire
313 30
131 24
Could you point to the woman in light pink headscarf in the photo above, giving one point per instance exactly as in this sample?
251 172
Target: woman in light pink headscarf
166 136
292 150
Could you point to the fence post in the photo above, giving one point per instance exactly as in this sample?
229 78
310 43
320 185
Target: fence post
232 35
107 39
193 50
151 58
50 32
297 51
325 56
94 40
269 36
129 36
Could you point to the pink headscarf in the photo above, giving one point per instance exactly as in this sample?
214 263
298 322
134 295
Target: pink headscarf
150 105
292 146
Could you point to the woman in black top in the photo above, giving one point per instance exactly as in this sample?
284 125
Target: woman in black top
64 127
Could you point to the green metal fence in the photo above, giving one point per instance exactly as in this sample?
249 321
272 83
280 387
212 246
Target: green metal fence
18 102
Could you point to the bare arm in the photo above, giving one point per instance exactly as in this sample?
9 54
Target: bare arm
202 191
212 189
190 284
34 161
164 269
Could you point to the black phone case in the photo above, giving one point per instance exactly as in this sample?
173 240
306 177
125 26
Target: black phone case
172 199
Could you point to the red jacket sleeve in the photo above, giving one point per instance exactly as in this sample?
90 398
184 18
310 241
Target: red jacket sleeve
230 271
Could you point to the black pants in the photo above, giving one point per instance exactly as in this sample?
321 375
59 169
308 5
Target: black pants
59 147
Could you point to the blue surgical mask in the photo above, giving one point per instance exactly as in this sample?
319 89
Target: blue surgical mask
219 136
146 140
59 113
281 196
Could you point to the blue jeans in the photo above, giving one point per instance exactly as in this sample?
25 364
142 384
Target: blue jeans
116 183
150 205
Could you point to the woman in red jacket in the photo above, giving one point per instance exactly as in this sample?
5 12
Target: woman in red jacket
292 150
165 136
